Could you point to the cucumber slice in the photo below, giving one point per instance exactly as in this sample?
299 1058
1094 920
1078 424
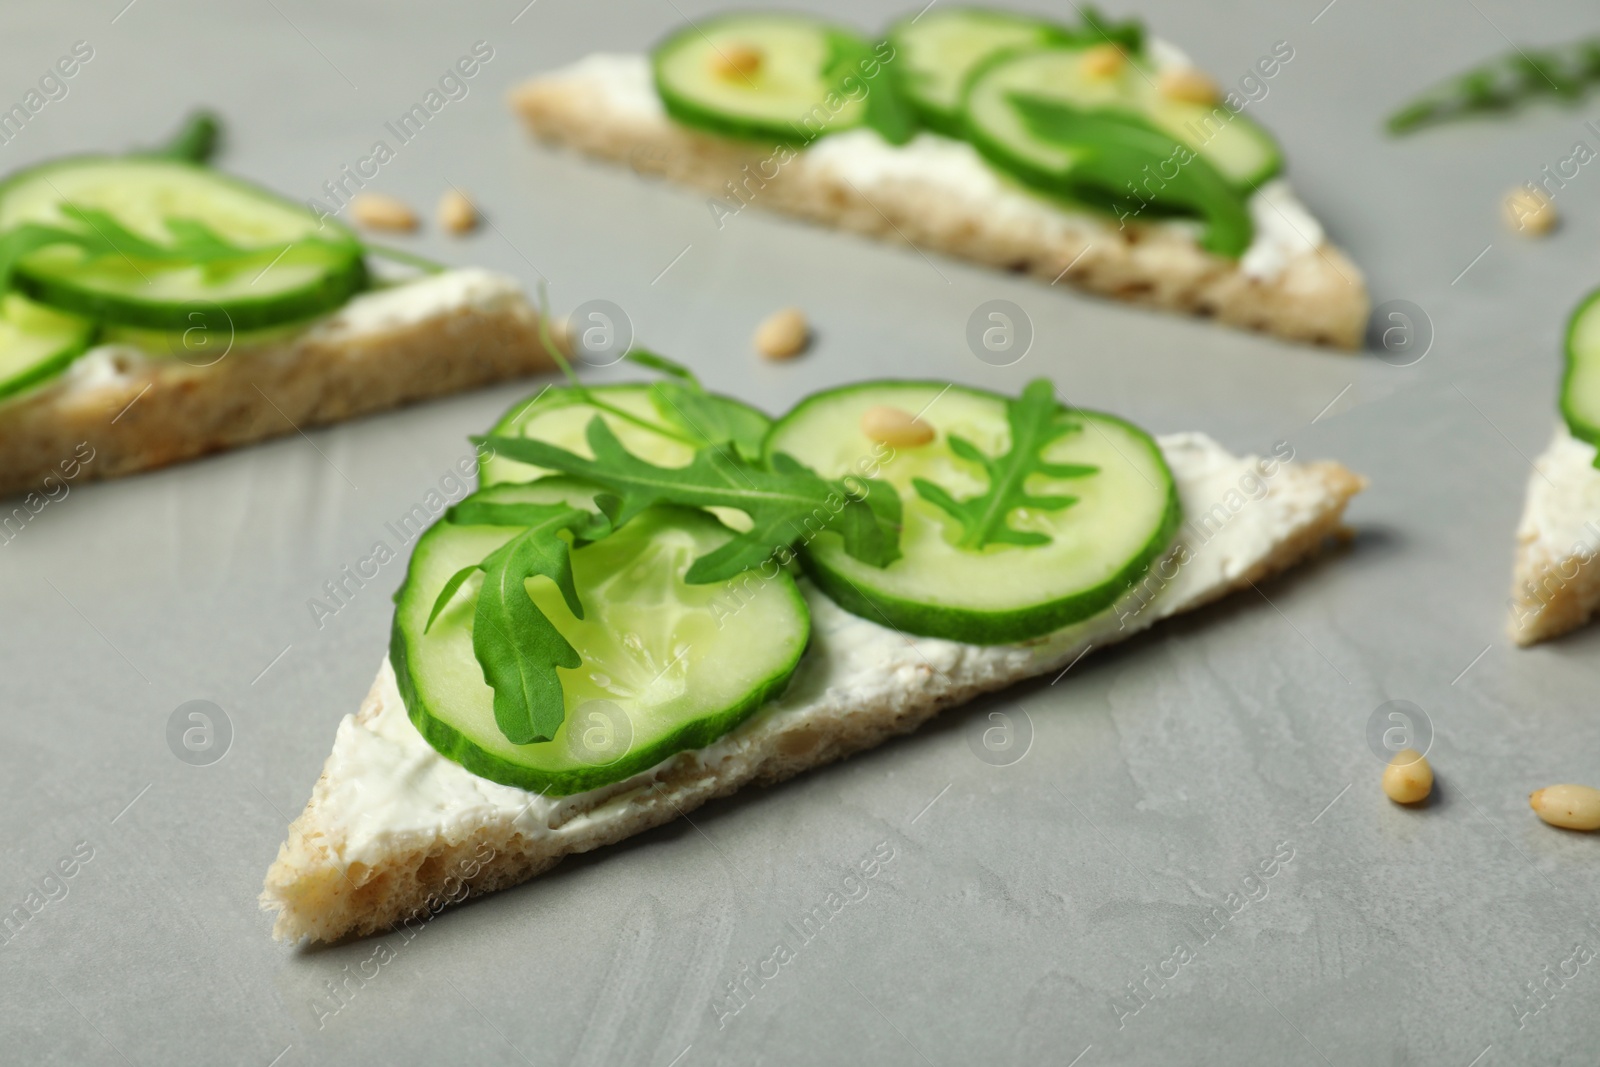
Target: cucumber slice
1580 385
142 193
761 75
37 342
1240 150
666 666
561 415
1124 518
941 48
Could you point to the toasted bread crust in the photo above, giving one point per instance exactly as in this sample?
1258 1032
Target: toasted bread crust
1551 596
317 896
1320 297
164 411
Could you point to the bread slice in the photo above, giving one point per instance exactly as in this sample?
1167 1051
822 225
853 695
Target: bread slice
938 195
118 410
394 832
1556 582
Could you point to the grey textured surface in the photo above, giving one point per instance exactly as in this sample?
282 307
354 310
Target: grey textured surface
1021 900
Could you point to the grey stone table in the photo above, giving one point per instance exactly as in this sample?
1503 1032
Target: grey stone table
1023 903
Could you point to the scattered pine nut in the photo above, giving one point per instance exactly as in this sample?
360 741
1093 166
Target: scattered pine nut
1408 779
1103 61
1530 211
783 334
1572 807
1189 85
736 62
457 213
379 211
896 427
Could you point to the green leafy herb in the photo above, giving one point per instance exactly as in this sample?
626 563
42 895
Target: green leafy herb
1036 421
1096 27
692 415
657 362
517 647
689 414
786 502
1565 72
708 419
888 110
195 141
1110 150
400 255
101 236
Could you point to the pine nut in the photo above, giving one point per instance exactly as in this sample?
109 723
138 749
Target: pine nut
1408 779
1530 211
457 213
783 334
1188 85
1103 61
379 211
736 62
896 427
1572 807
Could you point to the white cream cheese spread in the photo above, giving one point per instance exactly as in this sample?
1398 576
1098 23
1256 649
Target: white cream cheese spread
1562 515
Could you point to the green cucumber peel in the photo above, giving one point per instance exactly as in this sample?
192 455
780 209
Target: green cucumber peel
1504 83
1036 421
1110 150
517 647
1578 392
785 500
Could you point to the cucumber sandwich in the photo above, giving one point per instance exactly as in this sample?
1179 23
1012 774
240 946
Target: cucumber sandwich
1556 582
1084 152
153 309
658 595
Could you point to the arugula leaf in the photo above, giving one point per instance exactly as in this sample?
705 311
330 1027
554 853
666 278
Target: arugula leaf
1501 84
715 420
1037 421
702 416
400 255
475 512
103 237
687 412
517 647
1128 33
785 503
448 593
888 110
657 362
195 141
1106 147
